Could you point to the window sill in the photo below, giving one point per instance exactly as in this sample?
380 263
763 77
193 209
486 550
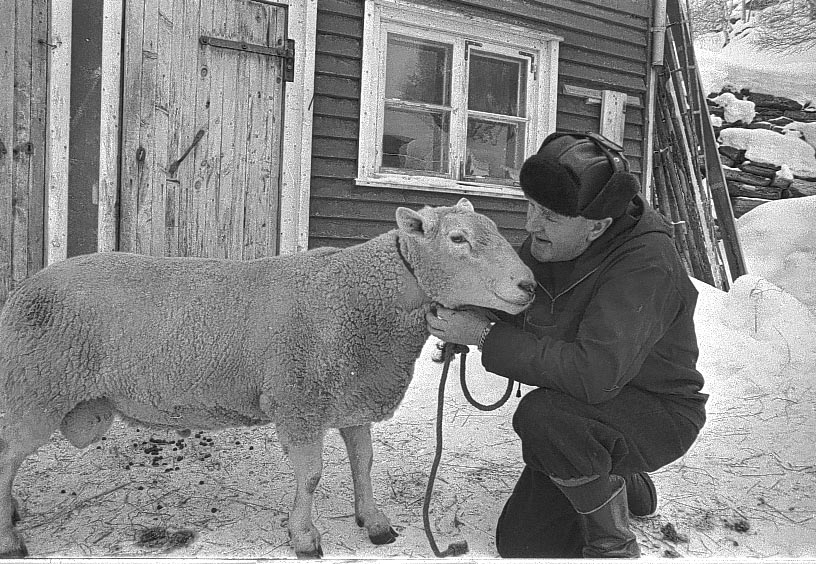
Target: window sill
436 184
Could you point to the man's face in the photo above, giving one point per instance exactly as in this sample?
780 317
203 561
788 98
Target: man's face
556 237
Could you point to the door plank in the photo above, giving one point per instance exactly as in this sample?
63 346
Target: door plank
144 227
20 157
161 126
131 119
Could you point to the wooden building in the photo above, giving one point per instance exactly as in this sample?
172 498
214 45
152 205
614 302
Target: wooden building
245 128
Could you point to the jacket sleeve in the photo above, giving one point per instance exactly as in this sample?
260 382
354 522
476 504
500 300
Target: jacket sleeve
628 314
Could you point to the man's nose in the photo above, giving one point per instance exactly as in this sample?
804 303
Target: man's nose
534 222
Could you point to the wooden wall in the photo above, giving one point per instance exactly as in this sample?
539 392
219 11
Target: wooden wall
23 56
605 47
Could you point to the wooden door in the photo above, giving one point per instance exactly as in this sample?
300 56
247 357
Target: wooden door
202 128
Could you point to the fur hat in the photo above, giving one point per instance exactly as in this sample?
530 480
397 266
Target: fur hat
579 174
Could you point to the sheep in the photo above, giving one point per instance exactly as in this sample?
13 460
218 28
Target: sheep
735 109
321 339
766 146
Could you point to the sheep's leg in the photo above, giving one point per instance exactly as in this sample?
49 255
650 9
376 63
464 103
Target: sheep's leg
307 462
361 457
19 437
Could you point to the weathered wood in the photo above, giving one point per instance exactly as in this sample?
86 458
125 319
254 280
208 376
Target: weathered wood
38 136
132 163
109 127
752 191
21 151
211 128
59 130
613 115
7 50
742 205
740 175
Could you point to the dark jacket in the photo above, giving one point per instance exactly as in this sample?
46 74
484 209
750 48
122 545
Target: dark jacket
620 314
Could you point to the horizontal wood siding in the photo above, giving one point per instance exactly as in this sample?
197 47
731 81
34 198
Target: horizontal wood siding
605 47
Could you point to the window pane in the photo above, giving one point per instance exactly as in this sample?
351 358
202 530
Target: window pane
417 71
494 150
416 139
498 86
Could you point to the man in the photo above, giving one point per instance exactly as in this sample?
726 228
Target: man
609 344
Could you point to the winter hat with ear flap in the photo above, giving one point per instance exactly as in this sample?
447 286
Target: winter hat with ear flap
579 174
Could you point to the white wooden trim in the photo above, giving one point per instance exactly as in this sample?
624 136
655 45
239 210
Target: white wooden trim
547 93
59 120
112 14
404 16
613 115
593 96
370 90
297 130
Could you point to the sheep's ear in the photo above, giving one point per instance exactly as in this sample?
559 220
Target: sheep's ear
465 204
410 221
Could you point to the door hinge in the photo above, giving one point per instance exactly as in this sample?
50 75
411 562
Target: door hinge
287 52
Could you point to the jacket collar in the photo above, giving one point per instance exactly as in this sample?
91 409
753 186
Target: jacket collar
638 220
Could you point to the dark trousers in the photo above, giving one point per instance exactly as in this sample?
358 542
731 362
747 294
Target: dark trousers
563 437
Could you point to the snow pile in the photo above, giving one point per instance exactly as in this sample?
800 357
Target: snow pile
735 110
808 131
778 241
766 146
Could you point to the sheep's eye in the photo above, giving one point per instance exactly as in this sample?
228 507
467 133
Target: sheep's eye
458 238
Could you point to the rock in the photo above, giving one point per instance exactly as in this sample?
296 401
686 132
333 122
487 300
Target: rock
760 169
770 101
736 155
801 188
801 116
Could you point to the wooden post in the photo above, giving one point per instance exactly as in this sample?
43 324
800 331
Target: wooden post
7 43
613 115
109 127
59 128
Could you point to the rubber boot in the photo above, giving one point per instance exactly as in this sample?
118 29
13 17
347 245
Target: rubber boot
641 494
606 529
604 514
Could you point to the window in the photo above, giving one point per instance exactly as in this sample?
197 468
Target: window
450 101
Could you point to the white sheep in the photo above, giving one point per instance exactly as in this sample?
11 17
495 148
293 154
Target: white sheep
312 341
808 131
735 109
766 146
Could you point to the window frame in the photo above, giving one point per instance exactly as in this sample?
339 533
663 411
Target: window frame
466 33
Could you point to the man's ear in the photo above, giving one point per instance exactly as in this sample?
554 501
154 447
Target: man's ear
410 221
599 227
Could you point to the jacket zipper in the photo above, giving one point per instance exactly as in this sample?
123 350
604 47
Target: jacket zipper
573 285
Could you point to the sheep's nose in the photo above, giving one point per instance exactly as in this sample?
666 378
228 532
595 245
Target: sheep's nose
528 286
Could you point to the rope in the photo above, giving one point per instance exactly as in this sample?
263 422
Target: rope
449 350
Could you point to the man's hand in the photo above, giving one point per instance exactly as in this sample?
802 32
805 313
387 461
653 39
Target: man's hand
460 327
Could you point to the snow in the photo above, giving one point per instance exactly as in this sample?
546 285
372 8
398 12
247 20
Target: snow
767 146
741 65
735 110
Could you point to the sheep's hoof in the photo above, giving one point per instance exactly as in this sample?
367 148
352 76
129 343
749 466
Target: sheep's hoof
310 554
19 552
386 536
